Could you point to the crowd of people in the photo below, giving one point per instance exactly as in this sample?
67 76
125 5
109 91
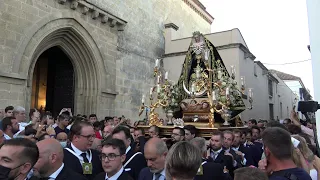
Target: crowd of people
84 148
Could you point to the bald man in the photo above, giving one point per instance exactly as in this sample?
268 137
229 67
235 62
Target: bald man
97 144
63 139
50 163
155 152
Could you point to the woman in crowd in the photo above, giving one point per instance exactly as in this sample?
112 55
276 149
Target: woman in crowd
303 157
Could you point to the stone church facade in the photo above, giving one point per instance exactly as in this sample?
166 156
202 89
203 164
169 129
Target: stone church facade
111 45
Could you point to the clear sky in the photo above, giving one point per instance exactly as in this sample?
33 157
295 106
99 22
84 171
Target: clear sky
276 31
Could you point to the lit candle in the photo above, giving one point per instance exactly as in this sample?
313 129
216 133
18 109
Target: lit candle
158 88
157 63
193 88
233 70
219 74
243 81
151 90
158 79
142 99
214 95
198 73
250 92
206 54
166 76
227 91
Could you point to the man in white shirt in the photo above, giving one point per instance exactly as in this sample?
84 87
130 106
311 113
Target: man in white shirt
20 115
50 163
112 156
10 127
78 155
155 152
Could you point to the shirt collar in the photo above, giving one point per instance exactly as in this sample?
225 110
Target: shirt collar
227 150
128 149
217 152
56 173
163 173
236 148
6 136
116 176
76 150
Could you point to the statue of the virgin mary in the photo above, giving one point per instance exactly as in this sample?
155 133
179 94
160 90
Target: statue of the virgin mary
203 61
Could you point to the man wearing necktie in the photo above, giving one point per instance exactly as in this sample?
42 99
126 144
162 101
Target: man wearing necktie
78 156
217 154
155 151
112 156
50 164
134 161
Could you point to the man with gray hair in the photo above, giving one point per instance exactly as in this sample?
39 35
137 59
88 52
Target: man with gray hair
210 170
183 161
155 152
20 115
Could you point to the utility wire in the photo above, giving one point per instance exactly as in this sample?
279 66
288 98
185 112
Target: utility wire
288 63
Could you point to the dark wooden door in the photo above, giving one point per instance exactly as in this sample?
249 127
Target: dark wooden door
60 84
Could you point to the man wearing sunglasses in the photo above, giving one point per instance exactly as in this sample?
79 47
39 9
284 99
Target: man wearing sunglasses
79 156
112 156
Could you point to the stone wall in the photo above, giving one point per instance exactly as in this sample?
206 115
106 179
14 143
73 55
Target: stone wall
120 63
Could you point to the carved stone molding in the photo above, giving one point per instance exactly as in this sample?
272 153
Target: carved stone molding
199 10
104 19
62 1
96 13
74 5
85 10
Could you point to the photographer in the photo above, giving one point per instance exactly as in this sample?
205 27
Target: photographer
295 119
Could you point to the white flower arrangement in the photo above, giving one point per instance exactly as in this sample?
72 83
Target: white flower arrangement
178 122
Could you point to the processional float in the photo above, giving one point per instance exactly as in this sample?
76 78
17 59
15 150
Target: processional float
206 95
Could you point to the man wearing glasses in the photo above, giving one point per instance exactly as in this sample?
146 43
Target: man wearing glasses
178 134
78 156
112 156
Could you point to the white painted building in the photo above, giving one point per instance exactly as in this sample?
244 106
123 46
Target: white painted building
273 99
300 92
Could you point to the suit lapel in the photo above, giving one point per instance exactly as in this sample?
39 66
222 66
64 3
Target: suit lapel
63 174
219 158
129 155
124 176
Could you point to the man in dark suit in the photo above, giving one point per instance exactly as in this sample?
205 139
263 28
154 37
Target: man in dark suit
240 149
50 163
134 161
210 170
112 157
217 154
257 147
78 156
155 152
238 157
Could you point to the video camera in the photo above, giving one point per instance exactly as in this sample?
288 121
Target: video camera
308 108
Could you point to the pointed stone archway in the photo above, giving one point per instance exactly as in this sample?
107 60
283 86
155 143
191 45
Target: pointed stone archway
80 47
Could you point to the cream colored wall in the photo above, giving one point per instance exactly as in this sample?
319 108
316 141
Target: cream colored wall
174 45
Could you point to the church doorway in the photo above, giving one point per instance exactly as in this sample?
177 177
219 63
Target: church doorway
53 82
